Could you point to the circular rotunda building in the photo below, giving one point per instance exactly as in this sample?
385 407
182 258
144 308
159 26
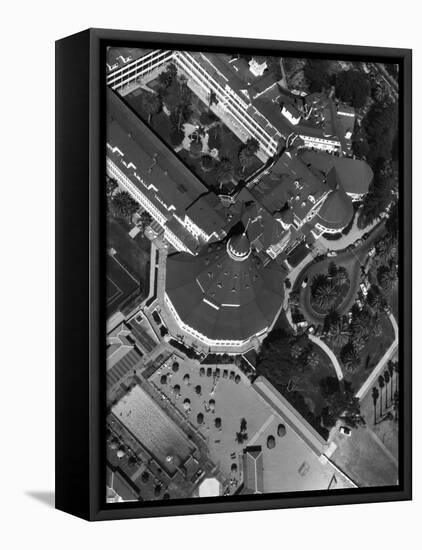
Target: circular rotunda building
226 295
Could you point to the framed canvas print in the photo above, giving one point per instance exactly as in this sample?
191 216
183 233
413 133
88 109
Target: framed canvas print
233 274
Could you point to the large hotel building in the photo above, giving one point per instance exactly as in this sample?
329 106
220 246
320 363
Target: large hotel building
224 285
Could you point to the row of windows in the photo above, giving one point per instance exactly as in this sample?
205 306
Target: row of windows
230 99
137 68
198 335
145 203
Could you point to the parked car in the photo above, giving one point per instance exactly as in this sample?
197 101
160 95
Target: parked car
345 431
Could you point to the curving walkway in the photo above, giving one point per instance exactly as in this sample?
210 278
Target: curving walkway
382 362
352 265
352 260
330 354
352 236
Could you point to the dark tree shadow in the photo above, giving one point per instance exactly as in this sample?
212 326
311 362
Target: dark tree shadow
45 497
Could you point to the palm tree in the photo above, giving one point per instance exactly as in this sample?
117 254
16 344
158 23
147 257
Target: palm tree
339 332
396 405
245 159
390 367
165 78
330 319
332 269
151 104
123 205
207 163
296 350
376 325
359 341
251 146
111 186
146 219
312 360
224 172
361 323
381 384
387 380
350 357
239 438
319 280
375 297
387 248
396 372
375 395
325 295
387 277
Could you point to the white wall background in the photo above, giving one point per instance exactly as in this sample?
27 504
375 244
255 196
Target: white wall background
28 31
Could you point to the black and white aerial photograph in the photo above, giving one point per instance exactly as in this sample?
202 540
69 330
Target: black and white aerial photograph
252 274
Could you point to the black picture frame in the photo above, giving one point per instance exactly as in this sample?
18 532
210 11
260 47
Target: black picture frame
80 310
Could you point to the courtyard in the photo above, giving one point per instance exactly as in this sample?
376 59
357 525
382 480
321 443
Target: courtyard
205 140
223 405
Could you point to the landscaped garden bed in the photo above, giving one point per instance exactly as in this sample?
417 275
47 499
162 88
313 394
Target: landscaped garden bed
187 125
328 289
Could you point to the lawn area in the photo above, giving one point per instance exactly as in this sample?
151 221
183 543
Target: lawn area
309 385
307 397
350 262
370 455
342 291
370 355
364 460
293 375
394 302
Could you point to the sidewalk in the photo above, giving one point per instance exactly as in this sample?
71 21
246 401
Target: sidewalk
330 354
382 362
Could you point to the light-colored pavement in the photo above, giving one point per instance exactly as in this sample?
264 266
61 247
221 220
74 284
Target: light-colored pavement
382 362
329 352
346 240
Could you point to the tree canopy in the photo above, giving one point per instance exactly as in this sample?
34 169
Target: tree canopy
379 130
381 194
352 87
275 361
341 403
123 205
316 72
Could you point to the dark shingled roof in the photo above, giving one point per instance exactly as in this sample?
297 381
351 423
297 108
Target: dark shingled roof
336 211
222 298
168 181
353 175
263 229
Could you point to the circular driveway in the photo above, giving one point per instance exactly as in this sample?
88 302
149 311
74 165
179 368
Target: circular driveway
352 261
